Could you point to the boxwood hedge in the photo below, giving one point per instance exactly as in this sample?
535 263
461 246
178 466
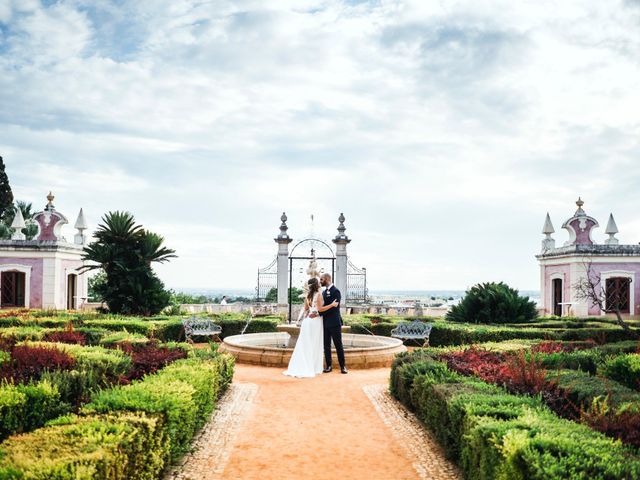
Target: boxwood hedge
495 435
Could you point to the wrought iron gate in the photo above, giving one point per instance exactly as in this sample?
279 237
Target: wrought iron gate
357 292
267 280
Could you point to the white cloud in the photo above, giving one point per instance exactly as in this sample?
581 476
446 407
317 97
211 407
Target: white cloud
443 130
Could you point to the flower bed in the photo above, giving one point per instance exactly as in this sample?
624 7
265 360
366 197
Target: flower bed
493 434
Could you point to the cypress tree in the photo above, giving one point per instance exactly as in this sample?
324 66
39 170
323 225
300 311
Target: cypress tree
6 195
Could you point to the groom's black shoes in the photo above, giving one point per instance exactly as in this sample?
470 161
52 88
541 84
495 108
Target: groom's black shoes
327 370
343 370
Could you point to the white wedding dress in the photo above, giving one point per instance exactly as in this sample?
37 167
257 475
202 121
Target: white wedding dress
307 358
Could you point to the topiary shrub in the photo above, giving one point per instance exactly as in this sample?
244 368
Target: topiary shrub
624 369
124 446
493 303
26 407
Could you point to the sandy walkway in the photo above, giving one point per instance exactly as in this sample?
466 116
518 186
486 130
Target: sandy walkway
322 428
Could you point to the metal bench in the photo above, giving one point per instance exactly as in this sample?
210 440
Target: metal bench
201 327
415 330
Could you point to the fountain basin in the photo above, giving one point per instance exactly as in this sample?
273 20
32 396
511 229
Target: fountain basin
270 349
294 332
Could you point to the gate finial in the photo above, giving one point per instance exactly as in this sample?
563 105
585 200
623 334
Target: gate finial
283 236
341 237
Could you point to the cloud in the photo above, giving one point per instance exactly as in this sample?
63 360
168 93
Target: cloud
443 130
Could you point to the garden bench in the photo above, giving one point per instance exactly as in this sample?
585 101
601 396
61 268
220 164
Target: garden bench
415 330
201 326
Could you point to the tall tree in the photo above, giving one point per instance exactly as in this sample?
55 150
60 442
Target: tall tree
125 251
6 195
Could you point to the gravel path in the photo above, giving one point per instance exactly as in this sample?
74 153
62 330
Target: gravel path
269 426
427 456
213 446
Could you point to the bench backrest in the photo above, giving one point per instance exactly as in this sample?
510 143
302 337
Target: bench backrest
415 328
194 324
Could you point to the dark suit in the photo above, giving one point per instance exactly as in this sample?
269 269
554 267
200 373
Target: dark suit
332 323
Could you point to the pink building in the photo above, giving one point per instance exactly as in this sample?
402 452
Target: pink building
42 273
612 268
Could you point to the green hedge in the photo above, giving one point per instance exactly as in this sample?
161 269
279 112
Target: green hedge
95 368
182 393
114 338
257 325
624 369
581 388
495 435
449 333
584 360
127 433
26 407
122 446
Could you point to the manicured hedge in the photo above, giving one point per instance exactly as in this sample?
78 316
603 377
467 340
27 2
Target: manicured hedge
624 369
449 333
95 368
112 339
27 407
126 433
495 435
127 445
584 360
257 325
182 393
582 388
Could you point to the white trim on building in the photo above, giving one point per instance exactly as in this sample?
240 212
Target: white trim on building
26 269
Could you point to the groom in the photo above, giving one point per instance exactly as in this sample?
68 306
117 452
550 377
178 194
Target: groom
332 322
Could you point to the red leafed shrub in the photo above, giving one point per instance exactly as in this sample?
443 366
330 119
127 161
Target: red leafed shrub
623 425
68 335
549 347
28 363
474 361
524 374
149 357
7 343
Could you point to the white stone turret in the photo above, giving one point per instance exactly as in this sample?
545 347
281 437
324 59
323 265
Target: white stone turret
548 243
81 226
17 225
611 230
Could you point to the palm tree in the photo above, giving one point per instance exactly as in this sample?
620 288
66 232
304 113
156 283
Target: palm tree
125 251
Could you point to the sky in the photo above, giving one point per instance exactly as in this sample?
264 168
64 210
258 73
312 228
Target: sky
444 130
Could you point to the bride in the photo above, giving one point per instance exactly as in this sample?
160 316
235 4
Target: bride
306 360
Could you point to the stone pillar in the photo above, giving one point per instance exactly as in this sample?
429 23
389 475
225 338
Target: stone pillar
283 240
342 263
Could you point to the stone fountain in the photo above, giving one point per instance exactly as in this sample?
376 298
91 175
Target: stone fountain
275 349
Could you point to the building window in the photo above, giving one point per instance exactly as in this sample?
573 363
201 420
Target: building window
618 294
557 296
12 294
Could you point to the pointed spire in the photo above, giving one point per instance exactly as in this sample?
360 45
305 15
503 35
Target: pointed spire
80 225
548 243
548 229
81 222
18 224
611 230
